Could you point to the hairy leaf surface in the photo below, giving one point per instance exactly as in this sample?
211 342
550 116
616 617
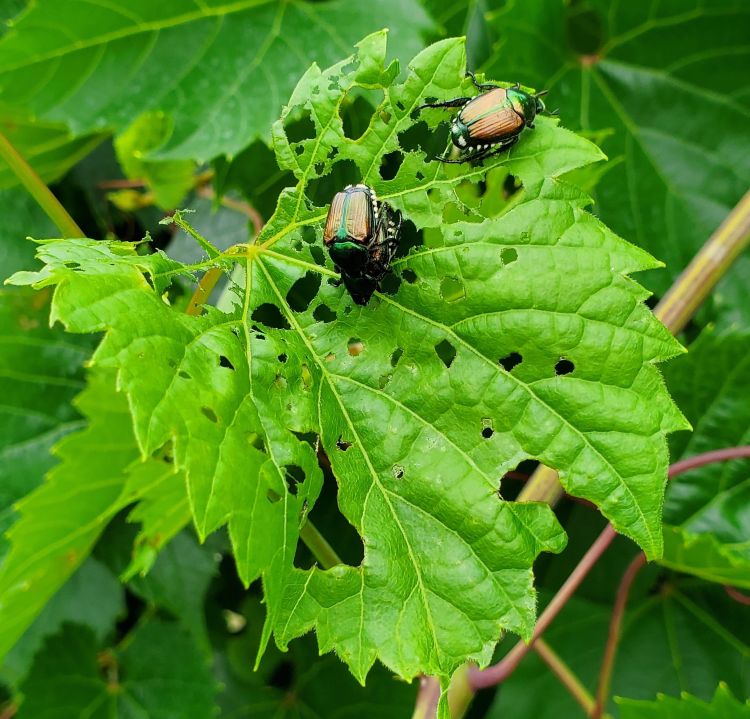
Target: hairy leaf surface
409 396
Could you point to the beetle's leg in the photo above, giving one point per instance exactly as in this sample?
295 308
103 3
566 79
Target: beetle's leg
458 102
502 148
484 86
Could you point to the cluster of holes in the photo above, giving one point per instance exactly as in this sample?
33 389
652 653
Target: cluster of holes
398 471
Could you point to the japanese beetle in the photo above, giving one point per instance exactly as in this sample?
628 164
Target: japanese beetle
490 122
362 237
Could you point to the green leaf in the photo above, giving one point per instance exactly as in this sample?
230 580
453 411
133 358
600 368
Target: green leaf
722 706
158 673
61 520
408 395
48 147
675 639
230 64
40 373
667 80
22 217
707 511
169 180
92 596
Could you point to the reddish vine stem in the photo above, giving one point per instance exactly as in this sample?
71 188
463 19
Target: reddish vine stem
613 638
737 595
569 680
480 679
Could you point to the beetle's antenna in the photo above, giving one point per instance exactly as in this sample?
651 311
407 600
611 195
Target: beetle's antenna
541 93
554 113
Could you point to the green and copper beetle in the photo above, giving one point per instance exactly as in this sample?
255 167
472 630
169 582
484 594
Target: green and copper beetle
362 236
492 121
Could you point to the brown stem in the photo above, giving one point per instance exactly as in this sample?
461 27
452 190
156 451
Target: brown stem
613 638
566 676
737 595
716 455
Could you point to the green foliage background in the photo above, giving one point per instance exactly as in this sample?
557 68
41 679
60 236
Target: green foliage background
138 108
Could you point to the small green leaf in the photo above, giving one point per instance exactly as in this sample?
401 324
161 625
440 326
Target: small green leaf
722 706
707 515
159 672
169 180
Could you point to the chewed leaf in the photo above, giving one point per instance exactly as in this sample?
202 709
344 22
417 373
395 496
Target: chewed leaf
500 338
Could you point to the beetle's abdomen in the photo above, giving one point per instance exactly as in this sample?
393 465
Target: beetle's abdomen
491 116
351 217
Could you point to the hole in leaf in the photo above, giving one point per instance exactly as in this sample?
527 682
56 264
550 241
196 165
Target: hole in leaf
390 283
282 358
323 313
452 289
330 357
409 275
293 475
308 234
299 149
410 237
355 347
210 414
419 176
342 444
510 361
397 354
385 116
255 440
318 255
390 164
508 255
270 316
398 471
301 293
511 185
384 379
564 366
299 125
273 496
319 167
487 428
306 376
357 112
400 105
322 189
225 362
446 351
185 375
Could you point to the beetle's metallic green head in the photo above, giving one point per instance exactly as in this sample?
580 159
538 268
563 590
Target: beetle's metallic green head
350 256
460 134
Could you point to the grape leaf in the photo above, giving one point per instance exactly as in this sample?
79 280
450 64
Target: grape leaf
159 672
707 510
408 395
681 639
92 596
231 64
667 81
40 373
722 706
61 520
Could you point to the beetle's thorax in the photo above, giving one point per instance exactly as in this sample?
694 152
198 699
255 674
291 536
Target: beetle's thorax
523 103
